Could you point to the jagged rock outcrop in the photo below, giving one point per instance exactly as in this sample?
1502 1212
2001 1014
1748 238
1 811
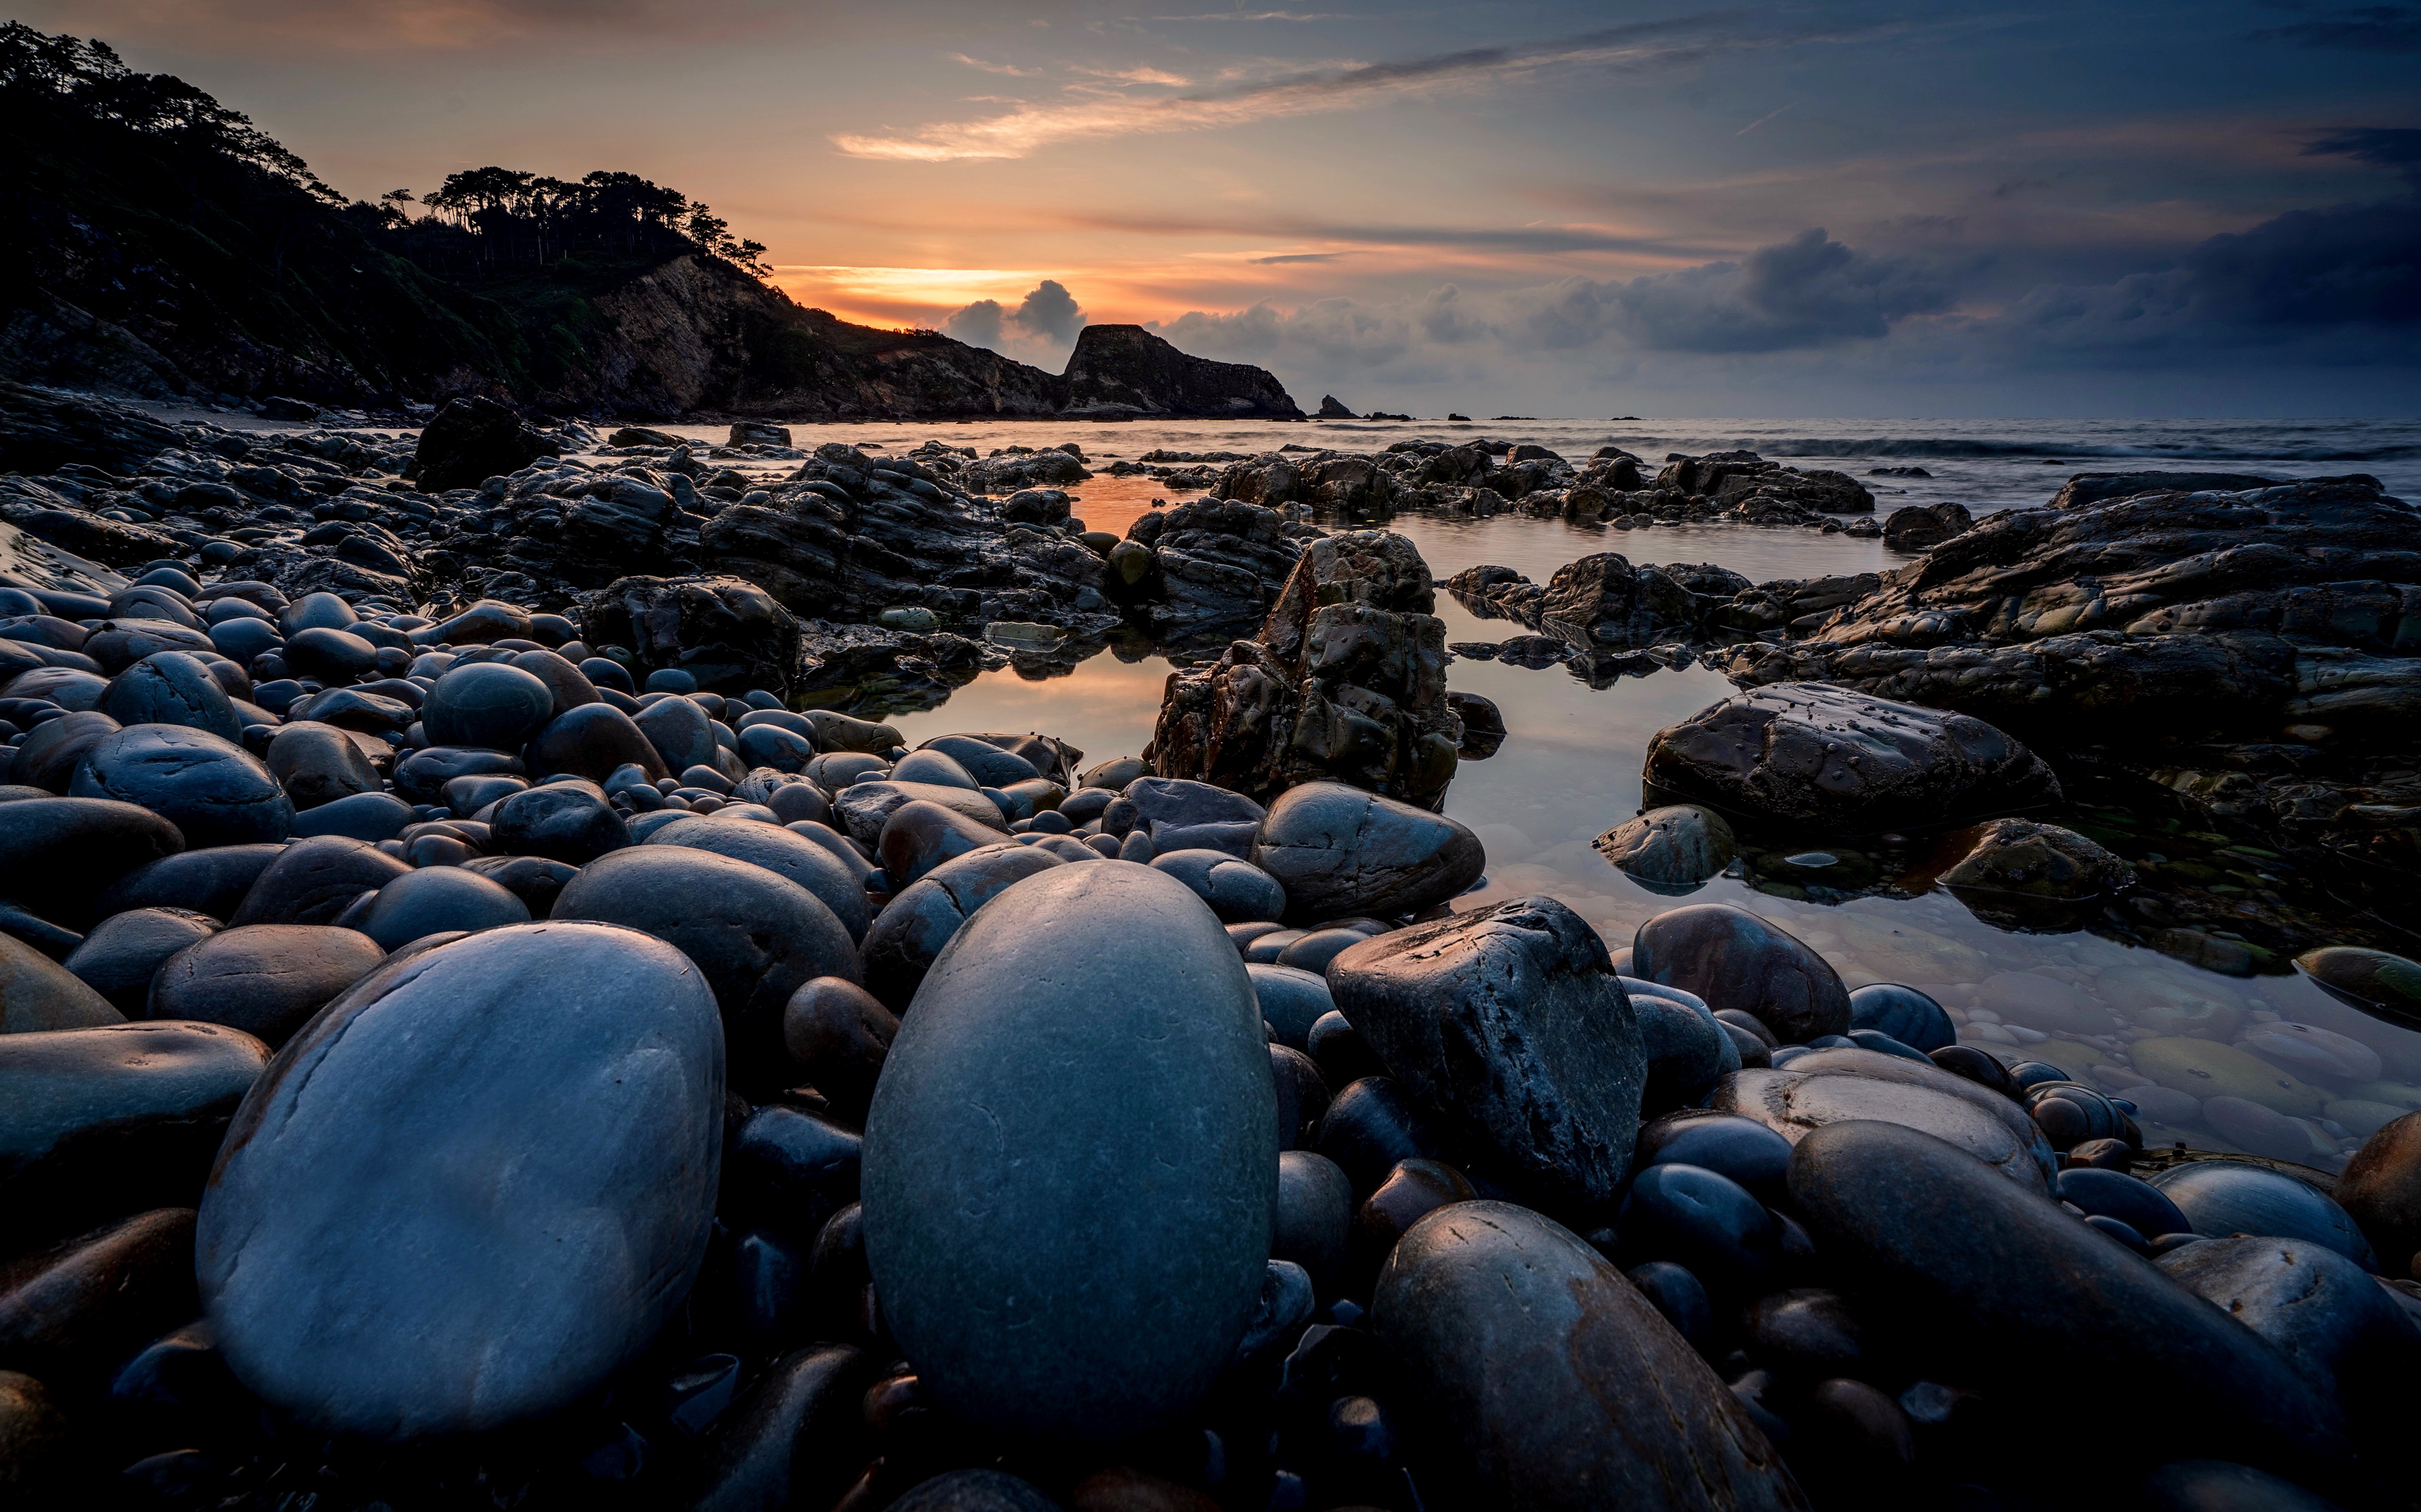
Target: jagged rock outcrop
473 439
1344 682
1921 527
1125 370
728 634
1205 565
1602 599
2258 652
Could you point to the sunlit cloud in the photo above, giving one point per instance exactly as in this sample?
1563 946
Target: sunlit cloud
417 25
1009 68
1269 15
1029 128
1139 75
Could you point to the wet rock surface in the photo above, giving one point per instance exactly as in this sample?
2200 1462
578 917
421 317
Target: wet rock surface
499 1209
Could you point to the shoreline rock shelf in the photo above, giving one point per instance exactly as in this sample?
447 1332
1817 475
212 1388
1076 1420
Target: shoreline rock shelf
506 1052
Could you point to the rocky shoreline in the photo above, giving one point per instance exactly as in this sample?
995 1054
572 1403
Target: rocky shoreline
490 1016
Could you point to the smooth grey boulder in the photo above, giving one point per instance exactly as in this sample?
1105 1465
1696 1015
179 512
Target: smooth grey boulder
367 816
97 1123
2223 1197
37 993
1291 1000
1510 1024
1315 1215
920 921
313 880
2005 1286
266 979
439 900
755 934
319 764
63 851
679 730
487 705
1541 1378
920 835
864 807
1052 1124
1338 850
475 1190
1686 1045
1237 891
1672 850
172 688
1731 958
1814 754
2330 1317
566 821
1832 1086
52 750
782 852
589 741
214 792
123 951
212 882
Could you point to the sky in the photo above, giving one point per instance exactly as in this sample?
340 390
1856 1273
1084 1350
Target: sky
1859 209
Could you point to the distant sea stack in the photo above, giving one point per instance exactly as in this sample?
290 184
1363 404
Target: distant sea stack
1121 370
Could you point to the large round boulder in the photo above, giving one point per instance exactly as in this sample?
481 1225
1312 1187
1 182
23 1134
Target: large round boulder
490 705
172 688
1339 851
1071 1162
780 851
475 1191
214 792
62 851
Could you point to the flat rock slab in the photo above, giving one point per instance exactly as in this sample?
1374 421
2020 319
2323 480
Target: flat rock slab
1814 754
1833 1086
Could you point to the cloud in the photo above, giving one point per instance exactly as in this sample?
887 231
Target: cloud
1041 330
2385 147
2345 275
1809 291
2355 28
1526 239
1139 74
1030 127
1009 68
1267 15
1299 256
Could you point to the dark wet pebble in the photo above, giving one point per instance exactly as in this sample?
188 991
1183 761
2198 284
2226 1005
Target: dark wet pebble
1303 1094
2222 1197
1904 1013
211 790
1806 1333
789 1169
1373 1124
367 816
37 993
1734 960
1292 1002
265 979
920 835
1337 850
2012 1288
172 688
97 1123
1236 890
1544 1380
754 935
2218 1485
1705 1221
795 1438
910 932
975 1490
73 1313
1315 1215
118 958
839 1036
566 821
536 880
63 851
2139 1204
439 900
212 882
591 741
1507 1025
1742 1149
312 881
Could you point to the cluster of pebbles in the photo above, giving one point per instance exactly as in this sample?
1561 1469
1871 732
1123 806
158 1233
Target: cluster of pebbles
441 1065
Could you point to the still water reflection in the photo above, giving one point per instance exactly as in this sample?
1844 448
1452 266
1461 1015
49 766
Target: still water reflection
2200 1054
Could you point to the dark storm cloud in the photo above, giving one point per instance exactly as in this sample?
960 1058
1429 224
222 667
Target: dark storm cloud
2385 147
1809 291
2353 28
